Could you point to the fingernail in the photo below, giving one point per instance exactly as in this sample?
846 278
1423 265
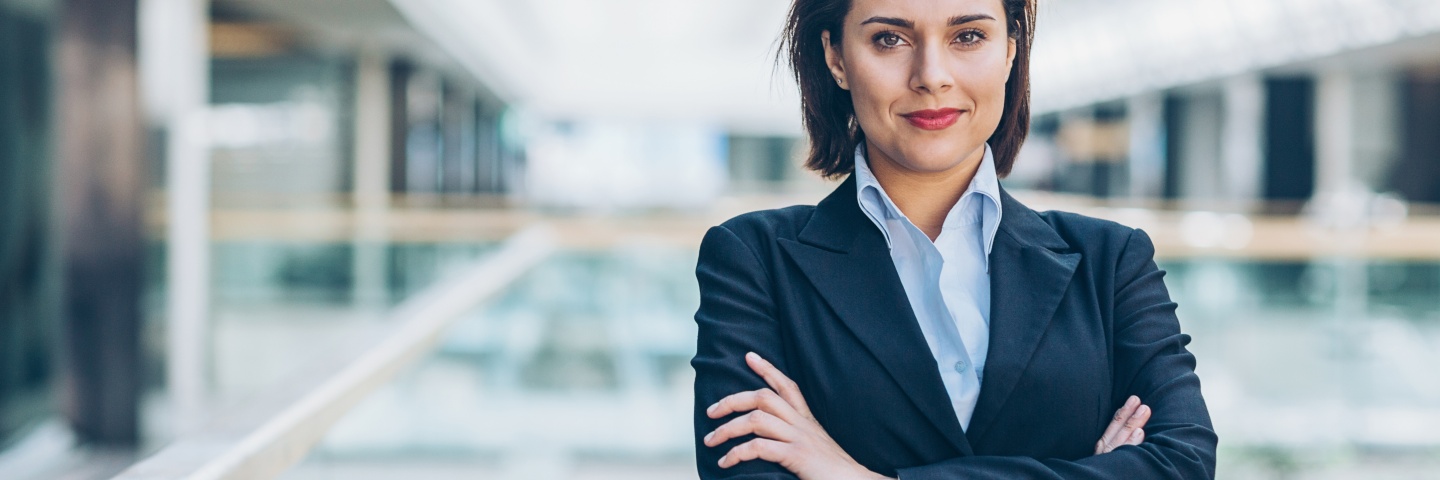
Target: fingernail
708 436
722 461
752 356
712 408
1130 402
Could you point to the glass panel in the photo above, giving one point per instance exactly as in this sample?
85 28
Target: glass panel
28 297
281 304
582 366
581 371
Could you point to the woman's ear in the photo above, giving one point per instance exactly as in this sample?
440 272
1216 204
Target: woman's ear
834 60
1010 56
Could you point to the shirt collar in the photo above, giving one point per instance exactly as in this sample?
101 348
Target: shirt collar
878 207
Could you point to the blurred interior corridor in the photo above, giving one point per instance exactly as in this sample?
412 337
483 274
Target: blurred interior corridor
457 238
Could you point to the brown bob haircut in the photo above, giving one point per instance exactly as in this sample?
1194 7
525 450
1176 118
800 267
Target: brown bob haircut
829 113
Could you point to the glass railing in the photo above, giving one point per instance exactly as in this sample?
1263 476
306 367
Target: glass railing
583 365
304 331
1315 360
1322 369
1318 368
278 304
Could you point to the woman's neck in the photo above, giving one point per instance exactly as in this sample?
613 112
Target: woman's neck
924 197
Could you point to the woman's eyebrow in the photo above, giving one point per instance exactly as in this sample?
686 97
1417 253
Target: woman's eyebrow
964 19
903 23
898 22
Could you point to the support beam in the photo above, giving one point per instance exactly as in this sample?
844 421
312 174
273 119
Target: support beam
373 92
1242 138
1146 116
1200 146
175 41
100 187
1335 138
371 191
1378 127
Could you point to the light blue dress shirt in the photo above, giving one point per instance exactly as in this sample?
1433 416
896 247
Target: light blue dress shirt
948 280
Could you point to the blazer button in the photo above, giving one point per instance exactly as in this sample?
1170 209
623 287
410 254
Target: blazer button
961 366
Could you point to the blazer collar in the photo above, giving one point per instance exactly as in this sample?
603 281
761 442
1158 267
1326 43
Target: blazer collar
838 220
1026 227
844 255
1030 272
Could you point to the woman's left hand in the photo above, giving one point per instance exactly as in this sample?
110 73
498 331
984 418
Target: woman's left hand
787 434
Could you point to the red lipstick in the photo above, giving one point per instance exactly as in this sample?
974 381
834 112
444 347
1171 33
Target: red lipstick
938 119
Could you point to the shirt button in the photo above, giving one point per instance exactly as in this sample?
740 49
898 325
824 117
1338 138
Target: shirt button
961 366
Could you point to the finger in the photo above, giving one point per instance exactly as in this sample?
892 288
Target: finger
763 399
1136 438
778 381
759 448
1112 431
757 422
1135 422
1139 419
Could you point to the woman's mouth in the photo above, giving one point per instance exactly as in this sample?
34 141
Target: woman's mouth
933 119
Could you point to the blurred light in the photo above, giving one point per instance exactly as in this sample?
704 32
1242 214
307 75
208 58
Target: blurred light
608 165
1086 51
1355 207
252 125
1212 230
688 61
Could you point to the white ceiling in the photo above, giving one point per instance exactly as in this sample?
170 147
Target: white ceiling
712 60
1088 51
689 60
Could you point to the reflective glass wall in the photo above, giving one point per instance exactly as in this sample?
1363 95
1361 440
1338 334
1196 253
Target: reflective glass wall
27 284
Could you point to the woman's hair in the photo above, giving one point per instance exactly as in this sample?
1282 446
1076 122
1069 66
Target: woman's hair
829 114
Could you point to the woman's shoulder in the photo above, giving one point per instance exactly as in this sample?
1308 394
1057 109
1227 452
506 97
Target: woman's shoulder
762 227
1095 235
751 239
1070 222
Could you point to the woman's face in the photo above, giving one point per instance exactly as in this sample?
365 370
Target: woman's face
927 77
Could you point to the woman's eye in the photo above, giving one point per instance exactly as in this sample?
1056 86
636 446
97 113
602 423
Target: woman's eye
970 37
889 40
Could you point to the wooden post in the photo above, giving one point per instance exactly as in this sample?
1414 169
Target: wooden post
100 186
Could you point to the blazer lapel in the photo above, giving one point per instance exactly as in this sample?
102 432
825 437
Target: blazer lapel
845 257
1029 274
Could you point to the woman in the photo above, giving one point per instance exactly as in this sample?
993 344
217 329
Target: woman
919 322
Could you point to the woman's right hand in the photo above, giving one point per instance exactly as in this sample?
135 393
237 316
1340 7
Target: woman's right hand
1126 428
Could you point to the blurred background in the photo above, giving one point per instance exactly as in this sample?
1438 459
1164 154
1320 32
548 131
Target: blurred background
456 238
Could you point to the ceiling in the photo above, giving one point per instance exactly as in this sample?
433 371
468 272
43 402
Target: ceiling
683 60
339 24
712 61
1088 51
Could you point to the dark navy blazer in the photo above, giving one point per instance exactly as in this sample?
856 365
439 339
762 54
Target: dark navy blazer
1080 319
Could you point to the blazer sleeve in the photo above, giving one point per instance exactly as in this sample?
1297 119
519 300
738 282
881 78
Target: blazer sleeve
1151 361
736 316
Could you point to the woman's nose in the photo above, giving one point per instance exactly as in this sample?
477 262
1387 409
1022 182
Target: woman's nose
931 74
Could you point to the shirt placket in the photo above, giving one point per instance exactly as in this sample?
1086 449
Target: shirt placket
956 357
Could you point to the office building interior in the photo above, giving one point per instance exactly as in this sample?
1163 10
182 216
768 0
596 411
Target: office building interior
312 239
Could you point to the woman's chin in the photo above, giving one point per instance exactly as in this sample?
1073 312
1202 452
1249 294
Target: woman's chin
934 160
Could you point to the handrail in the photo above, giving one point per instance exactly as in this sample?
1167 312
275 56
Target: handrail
272 435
